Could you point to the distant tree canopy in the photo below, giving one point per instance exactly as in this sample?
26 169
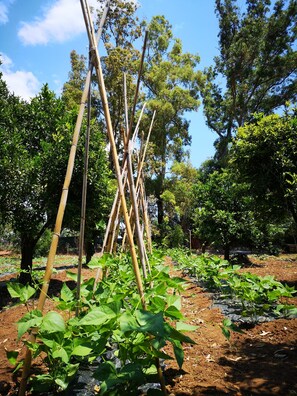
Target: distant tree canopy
222 211
170 85
32 162
265 155
253 200
171 80
257 67
35 140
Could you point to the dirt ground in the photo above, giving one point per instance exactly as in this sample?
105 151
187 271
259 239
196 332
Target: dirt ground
262 361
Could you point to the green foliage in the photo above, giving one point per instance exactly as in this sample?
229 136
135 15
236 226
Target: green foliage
171 81
265 155
43 244
256 294
228 326
17 290
72 89
110 315
257 60
223 212
34 153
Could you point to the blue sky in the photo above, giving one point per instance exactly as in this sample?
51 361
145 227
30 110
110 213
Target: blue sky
37 37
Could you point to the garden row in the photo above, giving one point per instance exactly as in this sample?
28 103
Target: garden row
256 295
112 334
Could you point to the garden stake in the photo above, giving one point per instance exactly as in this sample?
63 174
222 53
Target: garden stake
139 169
116 201
103 95
146 217
137 84
140 243
58 223
128 148
57 230
83 205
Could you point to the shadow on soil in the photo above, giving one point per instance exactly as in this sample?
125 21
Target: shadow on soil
54 290
264 368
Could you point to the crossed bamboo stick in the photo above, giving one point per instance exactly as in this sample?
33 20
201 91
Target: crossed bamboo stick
120 204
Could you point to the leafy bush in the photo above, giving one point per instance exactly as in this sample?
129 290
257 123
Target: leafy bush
43 244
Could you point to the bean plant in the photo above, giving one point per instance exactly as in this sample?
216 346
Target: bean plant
256 294
111 320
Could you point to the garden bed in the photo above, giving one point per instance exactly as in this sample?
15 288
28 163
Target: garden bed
260 361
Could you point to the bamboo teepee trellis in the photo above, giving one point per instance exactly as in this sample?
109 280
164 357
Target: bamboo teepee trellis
95 63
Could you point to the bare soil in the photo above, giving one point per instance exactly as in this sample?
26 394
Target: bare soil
262 361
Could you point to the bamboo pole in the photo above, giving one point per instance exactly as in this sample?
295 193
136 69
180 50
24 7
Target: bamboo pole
139 238
129 148
146 217
57 230
137 85
103 95
124 177
97 63
60 215
139 169
126 104
83 204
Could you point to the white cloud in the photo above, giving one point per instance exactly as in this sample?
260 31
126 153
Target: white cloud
22 83
60 22
4 6
3 13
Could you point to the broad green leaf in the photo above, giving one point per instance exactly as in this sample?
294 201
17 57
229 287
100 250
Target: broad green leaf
63 385
178 353
52 323
174 300
61 353
158 302
128 322
173 312
101 262
17 290
98 316
227 322
18 366
66 293
29 320
150 322
182 326
41 383
226 332
176 335
72 369
72 275
94 263
81 350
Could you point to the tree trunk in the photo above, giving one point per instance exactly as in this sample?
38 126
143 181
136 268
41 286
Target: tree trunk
27 250
292 210
90 249
227 252
160 210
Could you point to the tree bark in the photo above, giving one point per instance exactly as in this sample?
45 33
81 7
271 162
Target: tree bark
160 207
227 252
90 249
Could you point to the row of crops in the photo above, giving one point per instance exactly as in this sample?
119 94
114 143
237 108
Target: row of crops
112 332
256 295
114 336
